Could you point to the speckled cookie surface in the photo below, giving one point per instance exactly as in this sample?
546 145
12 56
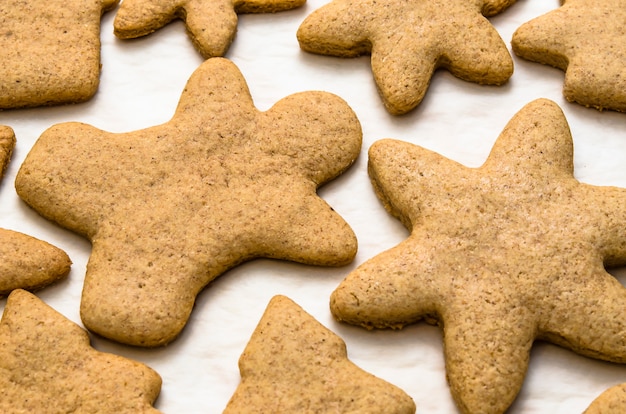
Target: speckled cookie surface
611 401
29 263
26 262
48 366
408 41
211 25
587 40
171 207
50 51
7 143
498 255
293 364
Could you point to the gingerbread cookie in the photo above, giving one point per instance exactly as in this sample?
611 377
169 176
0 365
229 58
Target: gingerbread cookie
26 262
611 401
408 41
171 207
7 143
498 255
211 25
48 366
29 263
293 364
50 51
587 40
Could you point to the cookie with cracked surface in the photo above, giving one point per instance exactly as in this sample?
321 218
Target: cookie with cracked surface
500 255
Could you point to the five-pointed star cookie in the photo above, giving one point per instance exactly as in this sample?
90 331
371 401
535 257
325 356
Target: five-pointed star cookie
409 40
293 364
587 40
211 24
171 207
26 262
499 255
48 366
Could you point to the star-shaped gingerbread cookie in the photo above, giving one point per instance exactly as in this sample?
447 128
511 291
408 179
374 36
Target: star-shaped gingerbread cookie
408 41
47 365
293 364
171 207
499 256
26 262
587 40
211 24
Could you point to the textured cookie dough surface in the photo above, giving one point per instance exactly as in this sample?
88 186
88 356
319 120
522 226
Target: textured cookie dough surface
7 143
293 364
498 255
611 401
26 262
48 366
409 40
50 51
29 263
587 40
211 25
171 207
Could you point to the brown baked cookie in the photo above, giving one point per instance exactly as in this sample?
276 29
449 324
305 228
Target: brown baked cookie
408 41
50 51
611 401
587 40
293 364
29 263
498 255
26 262
7 143
211 25
48 366
170 208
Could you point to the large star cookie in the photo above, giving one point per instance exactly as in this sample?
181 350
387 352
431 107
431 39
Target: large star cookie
26 262
211 24
50 51
498 255
48 366
171 207
586 39
293 364
408 41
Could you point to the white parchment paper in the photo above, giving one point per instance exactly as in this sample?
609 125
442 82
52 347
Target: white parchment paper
140 86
